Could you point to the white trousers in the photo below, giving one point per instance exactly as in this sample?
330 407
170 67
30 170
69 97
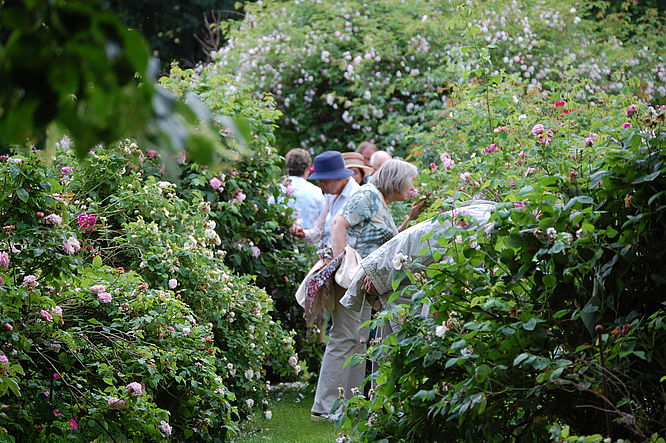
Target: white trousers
346 339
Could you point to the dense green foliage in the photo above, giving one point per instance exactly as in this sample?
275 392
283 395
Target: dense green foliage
66 66
256 231
558 314
199 343
343 72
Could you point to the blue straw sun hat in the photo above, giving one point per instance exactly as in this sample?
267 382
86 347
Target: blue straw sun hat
330 165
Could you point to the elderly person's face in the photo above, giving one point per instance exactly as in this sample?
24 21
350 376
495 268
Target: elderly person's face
358 175
332 186
405 193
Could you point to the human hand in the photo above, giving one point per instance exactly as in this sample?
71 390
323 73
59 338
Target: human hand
296 231
417 208
369 287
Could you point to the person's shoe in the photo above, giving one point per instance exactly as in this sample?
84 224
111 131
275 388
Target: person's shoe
315 416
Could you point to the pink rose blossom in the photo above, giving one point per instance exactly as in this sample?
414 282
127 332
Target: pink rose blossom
46 393
45 315
256 252
115 403
71 245
39 214
591 139
3 359
447 161
215 183
152 153
66 170
56 376
492 148
413 193
4 260
173 283
240 196
187 331
86 221
631 109
135 388
56 413
433 166
30 281
538 129
56 310
97 289
53 219
522 154
501 129
104 297
182 157
9 327
626 125
519 205
73 425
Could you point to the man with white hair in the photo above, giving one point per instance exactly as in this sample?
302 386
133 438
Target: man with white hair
378 159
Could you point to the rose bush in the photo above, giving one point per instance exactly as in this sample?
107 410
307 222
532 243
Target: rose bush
552 324
343 72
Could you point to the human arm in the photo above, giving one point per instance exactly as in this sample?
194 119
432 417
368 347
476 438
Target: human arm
318 231
413 214
339 227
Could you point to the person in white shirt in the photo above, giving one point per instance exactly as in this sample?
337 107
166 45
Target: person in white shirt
308 200
338 185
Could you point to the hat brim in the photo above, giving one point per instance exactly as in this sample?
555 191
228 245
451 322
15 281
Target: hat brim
368 168
331 175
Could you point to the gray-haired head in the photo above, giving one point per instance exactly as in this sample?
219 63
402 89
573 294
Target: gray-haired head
394 176
378 159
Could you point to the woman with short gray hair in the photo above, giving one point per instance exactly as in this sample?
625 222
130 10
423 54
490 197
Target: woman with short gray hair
366 221
394 176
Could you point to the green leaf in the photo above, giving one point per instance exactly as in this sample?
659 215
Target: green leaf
646 178
22 194
520 358
97 262
530 324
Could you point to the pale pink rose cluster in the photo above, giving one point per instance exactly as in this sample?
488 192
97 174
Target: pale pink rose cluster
46 315
115 403
447 161
216 183
30 282
591 138
256 252
4 260
544 136
53 219
135 388
71 245
240 196
102 295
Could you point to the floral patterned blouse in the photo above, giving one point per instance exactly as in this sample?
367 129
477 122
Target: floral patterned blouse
370 220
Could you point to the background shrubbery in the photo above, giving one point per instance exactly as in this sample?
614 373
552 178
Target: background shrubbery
343 72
